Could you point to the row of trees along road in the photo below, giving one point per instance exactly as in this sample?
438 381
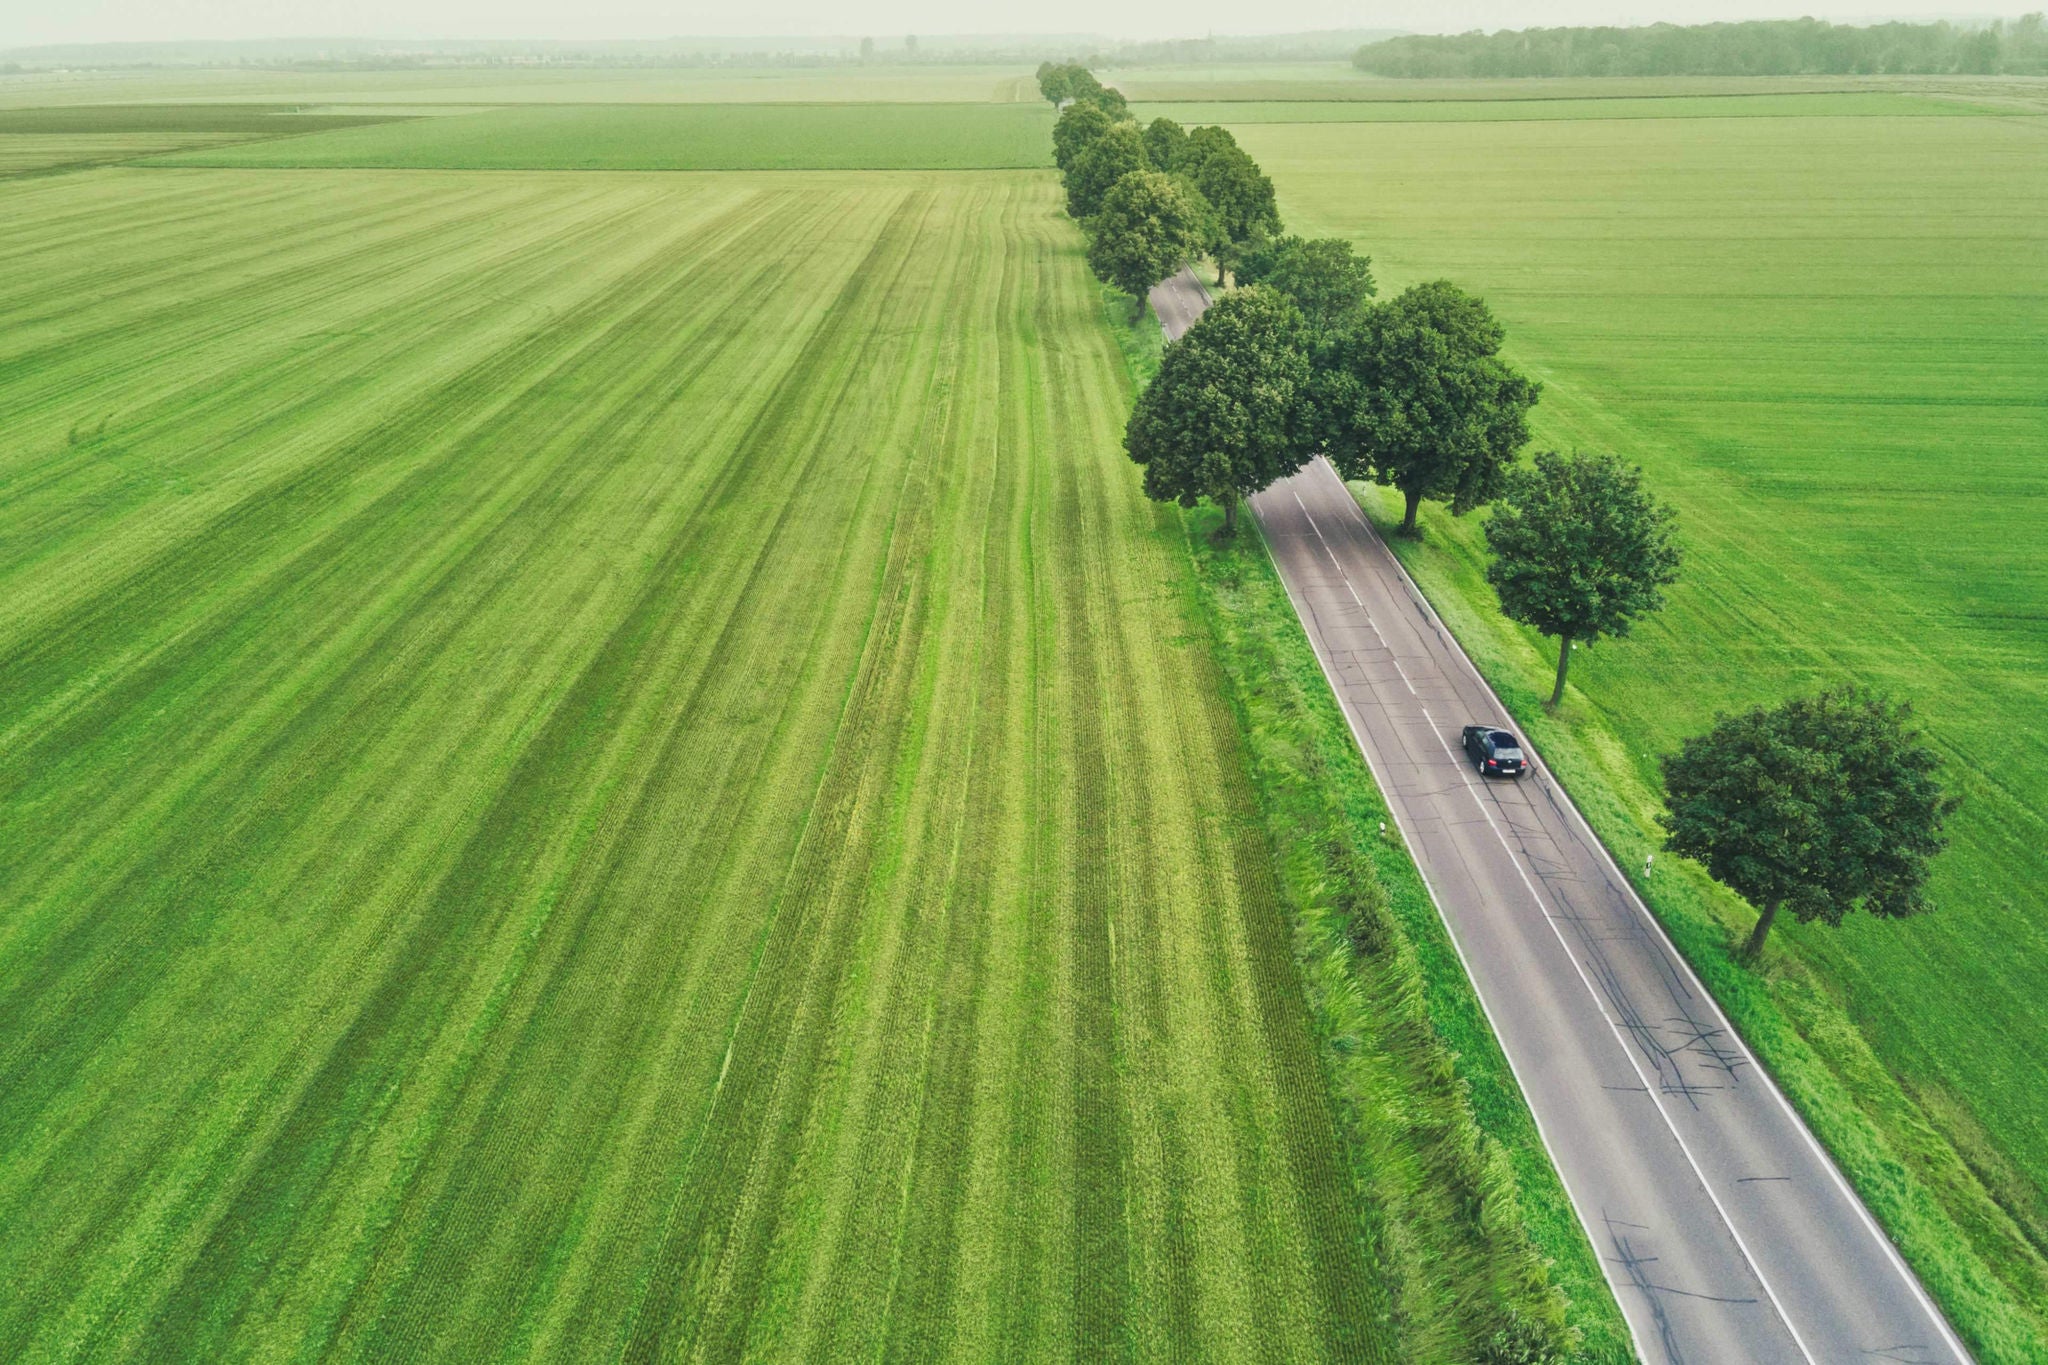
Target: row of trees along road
1821 805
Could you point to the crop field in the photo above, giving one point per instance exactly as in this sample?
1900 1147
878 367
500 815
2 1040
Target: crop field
609 765
78 136
947 84
1847 105
1316 82
1827 341
678 137
37 153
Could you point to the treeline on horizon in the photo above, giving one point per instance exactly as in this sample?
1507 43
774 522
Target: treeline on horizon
1762 47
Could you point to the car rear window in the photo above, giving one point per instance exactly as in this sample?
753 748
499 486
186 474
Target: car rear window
1503 740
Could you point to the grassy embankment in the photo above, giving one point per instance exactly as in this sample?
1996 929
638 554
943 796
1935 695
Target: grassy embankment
1473 1219
1824 339
609 765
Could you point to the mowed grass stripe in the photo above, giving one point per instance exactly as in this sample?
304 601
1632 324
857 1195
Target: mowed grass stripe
592 865
676 136
343 733
84 467
353 536
793 394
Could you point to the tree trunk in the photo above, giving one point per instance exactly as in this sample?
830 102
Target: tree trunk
1230 514
1408 521
1564 659
1138 313
1219 274
1755 947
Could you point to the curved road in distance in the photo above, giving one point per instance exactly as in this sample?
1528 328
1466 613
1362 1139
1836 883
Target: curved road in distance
1728 1234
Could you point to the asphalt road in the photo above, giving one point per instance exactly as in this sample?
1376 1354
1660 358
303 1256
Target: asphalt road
1726 1231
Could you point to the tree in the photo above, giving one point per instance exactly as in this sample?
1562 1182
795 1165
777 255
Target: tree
1078 127
1327 280
1062 81
1581 550
1165 140
1235 187
1111 101
1413 395
867 49
1102 163
1146 227
1221 419
1052 82
1821 805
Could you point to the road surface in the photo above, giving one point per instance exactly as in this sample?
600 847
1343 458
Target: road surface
1727 1233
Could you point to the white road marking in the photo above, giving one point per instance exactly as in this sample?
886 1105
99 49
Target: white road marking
1619 1037
1642 914
1355 597
1351 722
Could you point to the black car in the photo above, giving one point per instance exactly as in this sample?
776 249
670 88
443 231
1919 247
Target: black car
1494 751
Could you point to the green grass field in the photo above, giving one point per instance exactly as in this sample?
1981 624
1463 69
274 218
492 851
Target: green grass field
616 764
894 84
1827 341
77 137
1877 102
677 137
46 153
1320 82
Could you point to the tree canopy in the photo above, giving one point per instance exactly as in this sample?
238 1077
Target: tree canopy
1145 227
1102 163
1326 279
1056 80
1221 419
1078 127
1165 140
1236 189
1110 99
1413 395
1062 81
1581 550
1822 805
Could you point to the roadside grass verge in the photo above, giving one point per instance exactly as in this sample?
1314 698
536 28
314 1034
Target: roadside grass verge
1471 1224
676 137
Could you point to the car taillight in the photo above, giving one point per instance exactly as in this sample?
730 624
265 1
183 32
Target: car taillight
1492 763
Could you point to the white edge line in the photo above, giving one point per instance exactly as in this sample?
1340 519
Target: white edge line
1891 1251
1621 1041
1464 963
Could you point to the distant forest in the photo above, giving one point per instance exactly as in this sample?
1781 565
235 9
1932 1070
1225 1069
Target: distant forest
1776 47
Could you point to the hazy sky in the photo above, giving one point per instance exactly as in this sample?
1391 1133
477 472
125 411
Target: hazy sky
53 21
